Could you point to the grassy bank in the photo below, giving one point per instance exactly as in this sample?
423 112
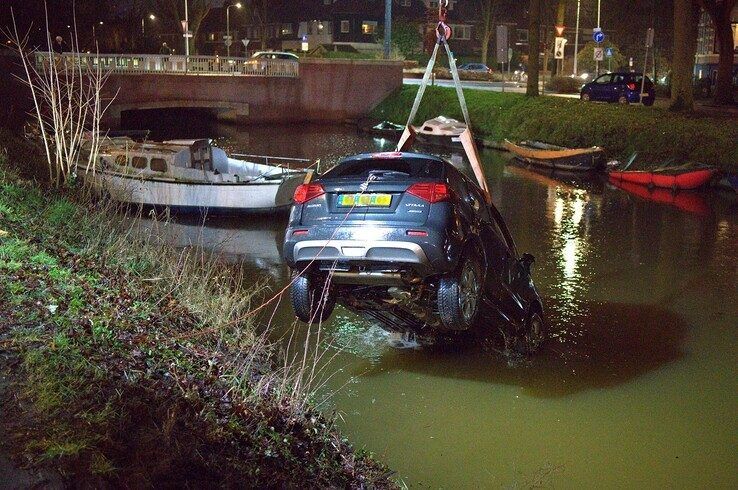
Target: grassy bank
134 365
657 135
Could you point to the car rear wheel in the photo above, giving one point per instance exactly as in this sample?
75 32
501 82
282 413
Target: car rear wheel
648 101
460 296
623 100
312 301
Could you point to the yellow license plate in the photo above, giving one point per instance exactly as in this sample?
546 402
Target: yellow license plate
365 200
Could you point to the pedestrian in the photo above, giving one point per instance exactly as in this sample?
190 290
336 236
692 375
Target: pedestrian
165 50
58 45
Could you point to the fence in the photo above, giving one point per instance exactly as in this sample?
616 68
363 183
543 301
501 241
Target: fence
175 65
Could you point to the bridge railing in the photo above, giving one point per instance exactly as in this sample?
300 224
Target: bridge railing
174 65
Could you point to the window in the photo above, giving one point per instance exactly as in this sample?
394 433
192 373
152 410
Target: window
158 165
405 3
286 29
121 160
327 2
604 79
368 27
139 162
345 27
461 32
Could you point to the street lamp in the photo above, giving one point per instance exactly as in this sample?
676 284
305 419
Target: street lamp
151 17
576 40
228 26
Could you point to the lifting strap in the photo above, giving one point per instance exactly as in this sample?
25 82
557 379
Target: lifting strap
443 32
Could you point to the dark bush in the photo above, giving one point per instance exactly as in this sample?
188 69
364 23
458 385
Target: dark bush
565 85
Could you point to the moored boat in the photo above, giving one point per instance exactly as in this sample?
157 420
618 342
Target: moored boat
440 131
385 129
686 177
691 202
191 175
557 157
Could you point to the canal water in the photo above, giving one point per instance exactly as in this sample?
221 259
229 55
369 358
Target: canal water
637 386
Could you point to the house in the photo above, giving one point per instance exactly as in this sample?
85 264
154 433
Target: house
708 52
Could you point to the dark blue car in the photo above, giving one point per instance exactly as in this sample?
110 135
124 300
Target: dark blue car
624 88
411 242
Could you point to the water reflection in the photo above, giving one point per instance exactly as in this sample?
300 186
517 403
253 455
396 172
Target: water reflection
605 345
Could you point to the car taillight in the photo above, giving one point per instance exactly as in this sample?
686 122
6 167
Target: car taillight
307 192
431 192
631 86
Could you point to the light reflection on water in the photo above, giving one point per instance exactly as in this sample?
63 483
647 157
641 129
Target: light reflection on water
636 389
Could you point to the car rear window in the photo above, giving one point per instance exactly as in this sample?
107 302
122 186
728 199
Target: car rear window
396 168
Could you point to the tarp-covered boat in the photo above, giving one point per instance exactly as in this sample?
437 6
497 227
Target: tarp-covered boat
675 178
440 131
558 157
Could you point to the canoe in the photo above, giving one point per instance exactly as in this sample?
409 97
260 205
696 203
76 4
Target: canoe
691 202
557 157
681 178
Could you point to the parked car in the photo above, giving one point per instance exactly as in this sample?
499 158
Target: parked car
624 88
476 68
409 241
274 55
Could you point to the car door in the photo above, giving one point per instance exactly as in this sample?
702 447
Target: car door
619 85
602 87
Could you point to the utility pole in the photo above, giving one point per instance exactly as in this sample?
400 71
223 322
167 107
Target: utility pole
576 40
387 28
187 32
599 11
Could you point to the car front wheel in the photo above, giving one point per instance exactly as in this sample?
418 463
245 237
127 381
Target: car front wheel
312 301
586 97
460 296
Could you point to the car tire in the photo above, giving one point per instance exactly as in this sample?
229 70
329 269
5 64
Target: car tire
648 101
307 301
535 332
623 100
460 295
586 97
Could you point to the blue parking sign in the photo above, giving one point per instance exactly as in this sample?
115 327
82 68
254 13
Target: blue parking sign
608 52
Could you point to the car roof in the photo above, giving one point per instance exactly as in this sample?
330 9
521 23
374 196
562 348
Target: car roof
259 53
390 155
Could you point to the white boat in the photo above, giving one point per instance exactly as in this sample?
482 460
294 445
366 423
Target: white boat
192 175
440 131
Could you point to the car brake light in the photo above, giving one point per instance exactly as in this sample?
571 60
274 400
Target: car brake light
299 232
307 192
431 192
417 233
631 86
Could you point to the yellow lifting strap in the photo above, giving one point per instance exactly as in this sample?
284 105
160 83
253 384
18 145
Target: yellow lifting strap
466 138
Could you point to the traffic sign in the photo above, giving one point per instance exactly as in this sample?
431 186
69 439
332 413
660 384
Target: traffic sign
609 52
560 31
188 34
184 25
509 54
559 48
228 41
599 54
598 36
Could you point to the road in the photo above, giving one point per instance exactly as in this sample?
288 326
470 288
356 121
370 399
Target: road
512 87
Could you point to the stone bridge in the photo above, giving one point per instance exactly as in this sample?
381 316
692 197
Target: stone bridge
272 91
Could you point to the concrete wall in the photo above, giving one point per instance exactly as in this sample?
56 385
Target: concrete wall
326 90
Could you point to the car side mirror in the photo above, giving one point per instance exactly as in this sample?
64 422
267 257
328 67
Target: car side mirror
527 261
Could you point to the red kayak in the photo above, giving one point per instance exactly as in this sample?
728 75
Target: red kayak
684 178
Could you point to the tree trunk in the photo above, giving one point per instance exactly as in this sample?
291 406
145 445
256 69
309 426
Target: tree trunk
686 18
720 15
534 44
488 27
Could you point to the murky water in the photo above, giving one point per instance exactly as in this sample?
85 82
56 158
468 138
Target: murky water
637 387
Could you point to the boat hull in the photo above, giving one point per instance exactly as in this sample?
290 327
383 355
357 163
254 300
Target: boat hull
691 202
441 141
216 197
677 181
569 160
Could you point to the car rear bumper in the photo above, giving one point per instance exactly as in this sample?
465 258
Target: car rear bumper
391 247
360 250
